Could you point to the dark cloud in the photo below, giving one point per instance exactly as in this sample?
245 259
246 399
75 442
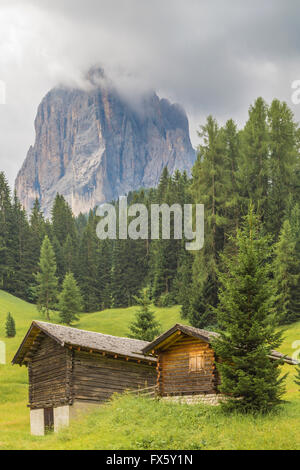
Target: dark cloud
211 56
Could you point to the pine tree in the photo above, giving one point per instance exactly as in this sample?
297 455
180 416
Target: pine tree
287 276
10 326
246 315
145 327
70 301
46 288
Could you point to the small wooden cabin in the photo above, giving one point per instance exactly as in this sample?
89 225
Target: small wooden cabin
71 370
186 363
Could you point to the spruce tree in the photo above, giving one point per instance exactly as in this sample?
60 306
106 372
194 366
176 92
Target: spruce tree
144 327
287 276
10 326
46 288
70 302
246 316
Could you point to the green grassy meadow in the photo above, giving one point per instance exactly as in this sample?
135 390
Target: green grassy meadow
138 423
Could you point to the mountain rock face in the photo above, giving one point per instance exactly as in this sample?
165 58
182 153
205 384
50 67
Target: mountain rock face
92 146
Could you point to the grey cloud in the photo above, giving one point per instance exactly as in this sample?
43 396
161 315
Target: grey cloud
210 56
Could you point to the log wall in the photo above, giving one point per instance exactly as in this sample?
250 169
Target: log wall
174 375
95 377
48 375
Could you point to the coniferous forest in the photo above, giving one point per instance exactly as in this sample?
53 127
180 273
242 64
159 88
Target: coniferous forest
257 166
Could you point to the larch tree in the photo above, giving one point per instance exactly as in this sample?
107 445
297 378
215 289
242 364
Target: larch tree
282 163
253 174
208 188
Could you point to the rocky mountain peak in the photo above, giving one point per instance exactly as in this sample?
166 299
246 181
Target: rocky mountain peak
91 146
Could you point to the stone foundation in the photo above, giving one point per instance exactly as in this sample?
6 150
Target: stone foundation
62 416
37 424
209 399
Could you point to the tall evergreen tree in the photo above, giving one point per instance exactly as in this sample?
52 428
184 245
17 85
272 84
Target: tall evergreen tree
63 236
254 175
165 254
69 254
104 267
70 302
144 327
6 231
38 232
245 313
46 280
282 163
231 157
20 242
209 188
87 271
63 222
287 276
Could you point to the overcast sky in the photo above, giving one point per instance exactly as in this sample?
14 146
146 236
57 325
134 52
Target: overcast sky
213 57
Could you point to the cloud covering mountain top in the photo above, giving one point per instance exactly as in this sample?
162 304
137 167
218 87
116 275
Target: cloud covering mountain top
212 57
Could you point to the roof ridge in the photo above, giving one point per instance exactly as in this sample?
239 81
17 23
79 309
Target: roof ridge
87 331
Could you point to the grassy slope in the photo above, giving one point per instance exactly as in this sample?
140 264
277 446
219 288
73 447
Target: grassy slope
137 424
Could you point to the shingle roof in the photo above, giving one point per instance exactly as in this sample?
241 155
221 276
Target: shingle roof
205 335
66 335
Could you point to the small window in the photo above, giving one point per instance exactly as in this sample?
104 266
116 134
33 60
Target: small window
196 362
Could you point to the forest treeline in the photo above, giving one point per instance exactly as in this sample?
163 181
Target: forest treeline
259 163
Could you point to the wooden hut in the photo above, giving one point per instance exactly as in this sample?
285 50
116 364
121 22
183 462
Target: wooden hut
71 370
186 364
